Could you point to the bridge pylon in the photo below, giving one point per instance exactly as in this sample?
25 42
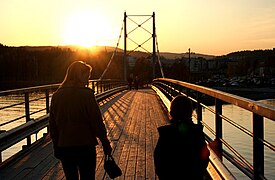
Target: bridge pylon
153 37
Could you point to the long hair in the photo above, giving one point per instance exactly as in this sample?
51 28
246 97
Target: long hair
78 74
181 109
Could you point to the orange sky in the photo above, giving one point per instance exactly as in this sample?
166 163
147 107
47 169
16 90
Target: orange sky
214 27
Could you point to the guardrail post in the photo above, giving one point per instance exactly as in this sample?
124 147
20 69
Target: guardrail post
169 89
178 90
199 108
258 146
27 113
93 85
111 85
47 105
107 85
97 87
218 107
1 160
1 131
101 86
104 85
47 101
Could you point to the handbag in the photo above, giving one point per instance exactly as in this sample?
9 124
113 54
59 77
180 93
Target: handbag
111 167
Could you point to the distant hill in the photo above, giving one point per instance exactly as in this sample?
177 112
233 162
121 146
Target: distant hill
167 55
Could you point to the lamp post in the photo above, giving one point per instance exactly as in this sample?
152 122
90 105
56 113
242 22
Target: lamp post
189 65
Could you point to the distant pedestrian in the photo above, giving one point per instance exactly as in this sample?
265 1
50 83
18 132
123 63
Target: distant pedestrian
75 123
181 151
136 82
130 81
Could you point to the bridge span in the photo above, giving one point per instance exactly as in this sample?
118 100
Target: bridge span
132 119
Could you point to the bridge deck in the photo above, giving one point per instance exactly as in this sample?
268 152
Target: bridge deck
131 119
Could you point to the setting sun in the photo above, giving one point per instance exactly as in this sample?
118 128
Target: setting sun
87 29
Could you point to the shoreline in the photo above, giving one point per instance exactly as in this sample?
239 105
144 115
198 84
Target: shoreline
254 93
10 85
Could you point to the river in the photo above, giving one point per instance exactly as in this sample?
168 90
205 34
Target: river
241 141
237 139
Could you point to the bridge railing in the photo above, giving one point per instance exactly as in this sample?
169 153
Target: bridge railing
201 96
29 108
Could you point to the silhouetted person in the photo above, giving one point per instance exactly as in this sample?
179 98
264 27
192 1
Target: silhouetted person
130 81
181 151
136 82
75 123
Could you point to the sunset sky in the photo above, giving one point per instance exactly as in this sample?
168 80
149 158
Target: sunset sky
213 27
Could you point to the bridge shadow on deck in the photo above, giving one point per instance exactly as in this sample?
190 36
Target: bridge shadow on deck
131 119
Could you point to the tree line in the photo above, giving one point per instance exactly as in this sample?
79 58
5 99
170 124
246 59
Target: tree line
29 66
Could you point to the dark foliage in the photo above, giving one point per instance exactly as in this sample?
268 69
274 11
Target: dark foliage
29 66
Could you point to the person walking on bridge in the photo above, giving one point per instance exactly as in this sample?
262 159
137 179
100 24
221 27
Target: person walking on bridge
76 123
181 151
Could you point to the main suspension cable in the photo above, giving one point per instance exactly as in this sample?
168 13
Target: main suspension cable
161 70
113 55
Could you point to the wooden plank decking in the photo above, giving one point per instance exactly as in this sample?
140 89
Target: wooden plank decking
131 119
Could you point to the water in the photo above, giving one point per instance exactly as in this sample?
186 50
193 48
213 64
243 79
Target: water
237 139
19 111
241 141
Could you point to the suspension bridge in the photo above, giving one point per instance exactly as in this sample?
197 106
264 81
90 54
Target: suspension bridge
132 118
138 44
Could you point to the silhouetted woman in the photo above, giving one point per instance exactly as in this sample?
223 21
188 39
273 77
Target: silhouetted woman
75 123
181 151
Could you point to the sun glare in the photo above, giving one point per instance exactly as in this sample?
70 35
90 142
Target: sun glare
87 29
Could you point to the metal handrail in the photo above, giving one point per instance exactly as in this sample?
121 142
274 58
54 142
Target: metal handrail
250 105
29 89
171 88
100 85
9 138
15 135
105 88
214 160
